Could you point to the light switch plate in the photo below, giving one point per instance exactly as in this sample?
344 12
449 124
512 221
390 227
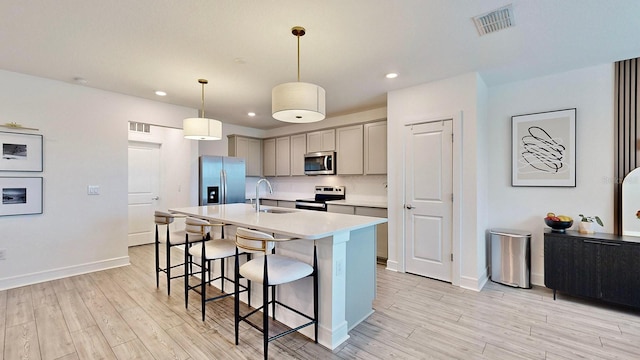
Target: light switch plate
93 190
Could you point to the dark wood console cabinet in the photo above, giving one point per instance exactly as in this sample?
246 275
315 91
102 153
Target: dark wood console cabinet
601 266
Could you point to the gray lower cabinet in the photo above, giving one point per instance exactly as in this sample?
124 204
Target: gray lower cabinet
600 266
278 203
382 230
267 202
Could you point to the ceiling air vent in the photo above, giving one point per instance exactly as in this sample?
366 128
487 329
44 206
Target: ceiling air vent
495 20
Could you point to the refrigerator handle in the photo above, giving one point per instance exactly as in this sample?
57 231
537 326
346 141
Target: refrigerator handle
223 186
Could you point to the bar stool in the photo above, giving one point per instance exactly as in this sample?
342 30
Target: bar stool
164 218
271 270
209 250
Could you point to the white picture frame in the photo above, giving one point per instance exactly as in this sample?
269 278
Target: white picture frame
544 149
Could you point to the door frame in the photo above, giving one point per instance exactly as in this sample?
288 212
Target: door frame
456 221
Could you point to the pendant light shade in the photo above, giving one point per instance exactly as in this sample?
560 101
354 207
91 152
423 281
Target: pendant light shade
298 102
202 128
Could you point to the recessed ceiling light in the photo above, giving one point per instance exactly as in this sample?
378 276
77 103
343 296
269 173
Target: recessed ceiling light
161 93
251 114
391 75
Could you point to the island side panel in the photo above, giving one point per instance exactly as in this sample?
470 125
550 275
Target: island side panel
332 325
360 275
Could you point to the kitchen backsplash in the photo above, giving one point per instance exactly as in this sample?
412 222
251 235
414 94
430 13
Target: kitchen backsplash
369 187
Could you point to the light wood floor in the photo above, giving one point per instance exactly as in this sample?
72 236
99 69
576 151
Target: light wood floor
119 314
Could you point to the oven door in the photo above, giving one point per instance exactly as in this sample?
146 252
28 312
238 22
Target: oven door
320 163
309 205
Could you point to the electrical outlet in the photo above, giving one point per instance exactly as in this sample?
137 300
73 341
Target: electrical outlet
3 254
93 190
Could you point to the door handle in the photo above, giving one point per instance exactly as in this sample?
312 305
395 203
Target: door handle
408 207
155 198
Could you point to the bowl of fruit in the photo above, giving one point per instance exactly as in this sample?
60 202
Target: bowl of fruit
558 223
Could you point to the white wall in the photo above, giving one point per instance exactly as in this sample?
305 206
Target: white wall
590 90
85 143
455 98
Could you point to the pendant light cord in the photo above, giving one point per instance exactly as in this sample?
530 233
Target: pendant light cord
203 100
298 36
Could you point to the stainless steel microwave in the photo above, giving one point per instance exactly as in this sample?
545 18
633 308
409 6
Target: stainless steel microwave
320 163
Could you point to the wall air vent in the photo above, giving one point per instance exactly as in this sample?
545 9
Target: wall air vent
495 20
139 127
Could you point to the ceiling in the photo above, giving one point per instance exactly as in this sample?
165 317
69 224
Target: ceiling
245 47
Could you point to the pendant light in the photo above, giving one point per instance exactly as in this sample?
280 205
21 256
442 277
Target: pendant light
202 128
298 102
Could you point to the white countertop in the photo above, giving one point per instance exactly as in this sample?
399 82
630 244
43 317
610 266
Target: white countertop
304 224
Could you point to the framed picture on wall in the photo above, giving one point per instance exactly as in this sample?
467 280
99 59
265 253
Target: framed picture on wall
544 149
21 195
20 152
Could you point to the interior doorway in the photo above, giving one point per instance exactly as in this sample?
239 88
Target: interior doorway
429 199
144 191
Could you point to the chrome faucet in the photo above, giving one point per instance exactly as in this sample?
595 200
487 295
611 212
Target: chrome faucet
258 192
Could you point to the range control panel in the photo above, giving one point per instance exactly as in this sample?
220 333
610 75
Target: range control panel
330 190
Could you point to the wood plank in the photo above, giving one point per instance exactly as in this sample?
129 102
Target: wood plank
19 306
91 344
3 318
76 314
112 325
114 293
154 338
53 335
22 342
203 346
43 294
61 285
160 313
132 350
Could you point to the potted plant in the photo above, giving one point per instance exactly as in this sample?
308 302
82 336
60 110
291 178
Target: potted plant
586 224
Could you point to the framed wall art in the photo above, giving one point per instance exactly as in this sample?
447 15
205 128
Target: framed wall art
20 152
544 149
21 195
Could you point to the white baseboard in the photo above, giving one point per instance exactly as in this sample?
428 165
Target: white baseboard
537 279
54 274
392 265
475 284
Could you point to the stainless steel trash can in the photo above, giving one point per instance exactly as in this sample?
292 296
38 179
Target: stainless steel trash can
511 257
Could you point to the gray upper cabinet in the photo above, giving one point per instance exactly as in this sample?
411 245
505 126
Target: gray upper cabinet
375 148
349 150
298 149
250 149
283 156
324 140
269 157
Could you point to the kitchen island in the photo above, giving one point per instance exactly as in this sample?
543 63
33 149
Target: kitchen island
346 262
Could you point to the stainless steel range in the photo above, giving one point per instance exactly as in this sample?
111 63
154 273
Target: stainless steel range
322 195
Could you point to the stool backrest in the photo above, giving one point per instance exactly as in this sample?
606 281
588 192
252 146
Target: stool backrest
163 218
253 241
195 226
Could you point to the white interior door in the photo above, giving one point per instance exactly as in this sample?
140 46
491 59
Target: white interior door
144 189
429 199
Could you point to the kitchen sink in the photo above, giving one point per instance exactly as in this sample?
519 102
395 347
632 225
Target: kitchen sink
276 211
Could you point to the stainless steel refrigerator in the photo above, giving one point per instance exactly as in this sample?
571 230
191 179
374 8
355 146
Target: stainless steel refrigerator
222 180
